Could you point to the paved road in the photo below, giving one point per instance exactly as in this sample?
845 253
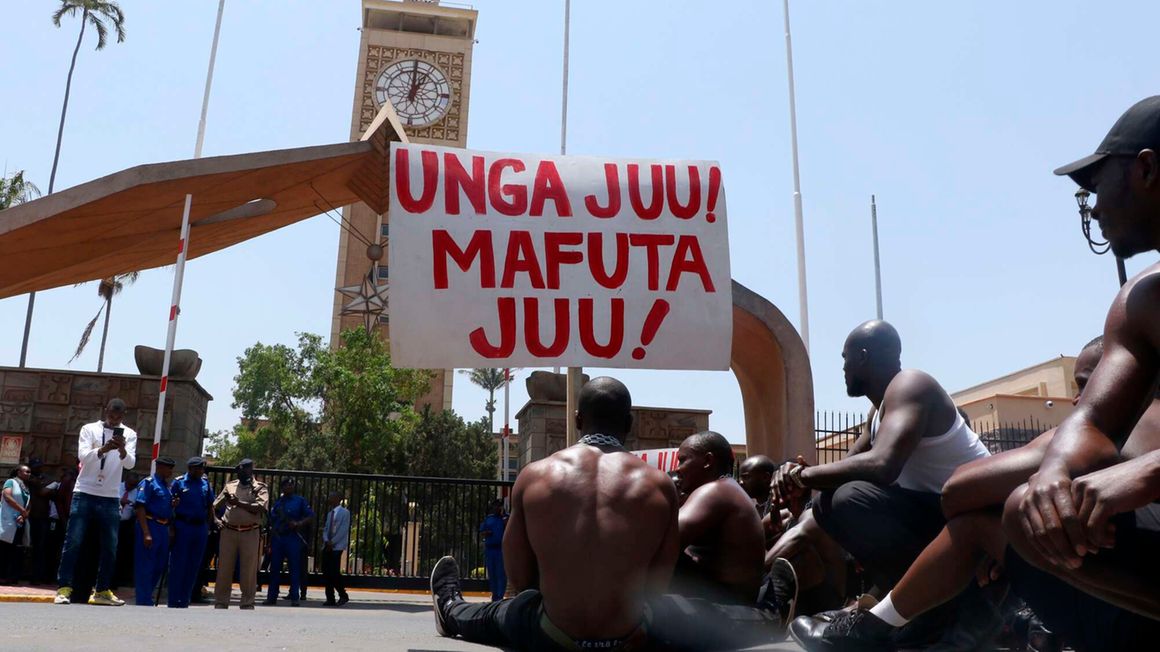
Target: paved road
372 621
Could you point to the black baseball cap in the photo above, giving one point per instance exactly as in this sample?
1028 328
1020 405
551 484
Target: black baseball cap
246 462
194 462
1138 129
167 461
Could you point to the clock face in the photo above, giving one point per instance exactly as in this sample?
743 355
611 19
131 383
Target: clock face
418 90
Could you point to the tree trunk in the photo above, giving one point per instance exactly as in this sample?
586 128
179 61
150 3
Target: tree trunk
105 332
52 175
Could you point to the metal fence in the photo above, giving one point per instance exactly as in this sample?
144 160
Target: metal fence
400 526
835 432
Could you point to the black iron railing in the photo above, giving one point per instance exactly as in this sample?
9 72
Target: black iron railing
835 432
400 526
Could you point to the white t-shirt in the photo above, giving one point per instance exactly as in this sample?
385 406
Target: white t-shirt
127 508
935 458
95 478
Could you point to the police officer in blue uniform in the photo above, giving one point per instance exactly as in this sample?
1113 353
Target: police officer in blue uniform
289 517
154 507
192 517
493 528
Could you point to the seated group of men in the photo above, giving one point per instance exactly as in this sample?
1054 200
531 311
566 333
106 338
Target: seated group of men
607 553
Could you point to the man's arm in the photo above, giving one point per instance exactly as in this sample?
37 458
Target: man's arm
862 443
899 432
699 515
519 560
88 450
128 452
1117 394
221 498
660 571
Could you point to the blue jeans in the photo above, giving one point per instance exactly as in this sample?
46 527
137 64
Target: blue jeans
496 577
186 551
149 563
103 514
288 547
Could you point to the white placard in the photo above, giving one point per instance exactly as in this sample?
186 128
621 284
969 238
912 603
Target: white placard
519 260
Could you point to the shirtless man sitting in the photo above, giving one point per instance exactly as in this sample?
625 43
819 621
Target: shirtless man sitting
972 541
592 530
722 543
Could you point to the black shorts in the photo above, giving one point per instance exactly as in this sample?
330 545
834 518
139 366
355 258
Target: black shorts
1082 620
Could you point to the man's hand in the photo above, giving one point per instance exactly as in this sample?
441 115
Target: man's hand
785 491
232 499
1103 494
217 522
329 545
988 570
147 539
1050 519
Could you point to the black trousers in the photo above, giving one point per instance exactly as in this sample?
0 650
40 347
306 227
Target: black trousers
40 550
885 529
1085 622
677 624
332 574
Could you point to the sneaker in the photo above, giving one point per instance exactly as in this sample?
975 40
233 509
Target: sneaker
106 598
785 589
854 631
445 592
63 595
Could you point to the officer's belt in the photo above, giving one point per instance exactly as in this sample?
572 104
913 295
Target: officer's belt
240 528
159 521
192 520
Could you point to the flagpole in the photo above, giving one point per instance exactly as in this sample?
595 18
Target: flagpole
803 304
877 263
183 248
507 430
572 383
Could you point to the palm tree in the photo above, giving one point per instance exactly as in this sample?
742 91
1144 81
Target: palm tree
491 380
108 288
16 190
95 13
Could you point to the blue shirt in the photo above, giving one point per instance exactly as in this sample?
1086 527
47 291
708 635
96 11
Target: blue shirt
494 526
195 497
156 497
286 509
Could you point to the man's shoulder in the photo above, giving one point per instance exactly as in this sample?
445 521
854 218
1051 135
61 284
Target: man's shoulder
912 386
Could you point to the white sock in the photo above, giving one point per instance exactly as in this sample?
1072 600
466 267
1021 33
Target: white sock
885 610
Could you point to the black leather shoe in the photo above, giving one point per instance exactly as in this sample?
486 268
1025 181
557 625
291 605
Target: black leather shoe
269 602
854 631
342 600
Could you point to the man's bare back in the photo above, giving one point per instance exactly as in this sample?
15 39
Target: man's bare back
594 531
729 546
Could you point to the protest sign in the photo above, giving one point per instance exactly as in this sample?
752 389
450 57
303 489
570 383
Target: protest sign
519 260
664 459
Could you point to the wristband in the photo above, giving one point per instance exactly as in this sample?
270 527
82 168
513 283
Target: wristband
795 475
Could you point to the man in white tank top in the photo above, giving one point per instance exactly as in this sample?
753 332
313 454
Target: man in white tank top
881 503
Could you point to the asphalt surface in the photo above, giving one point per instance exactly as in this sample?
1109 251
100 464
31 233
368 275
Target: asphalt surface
371 621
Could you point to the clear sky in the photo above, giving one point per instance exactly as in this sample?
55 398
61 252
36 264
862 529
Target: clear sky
952 113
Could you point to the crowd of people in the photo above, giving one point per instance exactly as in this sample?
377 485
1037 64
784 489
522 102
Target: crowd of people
606 552
113 529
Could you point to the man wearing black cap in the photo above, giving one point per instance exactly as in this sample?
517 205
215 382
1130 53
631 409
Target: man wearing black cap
245 500
193 513
38 518
1086 526
154 506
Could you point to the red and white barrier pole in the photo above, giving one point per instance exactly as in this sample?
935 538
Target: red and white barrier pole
182 249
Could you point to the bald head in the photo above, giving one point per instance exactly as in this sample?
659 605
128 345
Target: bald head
872 353
709 442
604 407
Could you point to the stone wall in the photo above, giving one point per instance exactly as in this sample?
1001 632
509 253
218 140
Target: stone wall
543 428
48 407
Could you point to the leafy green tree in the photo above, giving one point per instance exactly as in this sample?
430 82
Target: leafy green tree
348 410
15 189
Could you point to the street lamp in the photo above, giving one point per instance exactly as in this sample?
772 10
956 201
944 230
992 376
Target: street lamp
1085 223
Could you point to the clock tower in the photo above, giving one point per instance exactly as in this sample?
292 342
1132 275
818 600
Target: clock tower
416 55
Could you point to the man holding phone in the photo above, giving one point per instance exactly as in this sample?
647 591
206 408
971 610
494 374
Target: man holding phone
105 449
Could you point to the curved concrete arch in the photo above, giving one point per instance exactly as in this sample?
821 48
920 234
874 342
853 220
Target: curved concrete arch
773 371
